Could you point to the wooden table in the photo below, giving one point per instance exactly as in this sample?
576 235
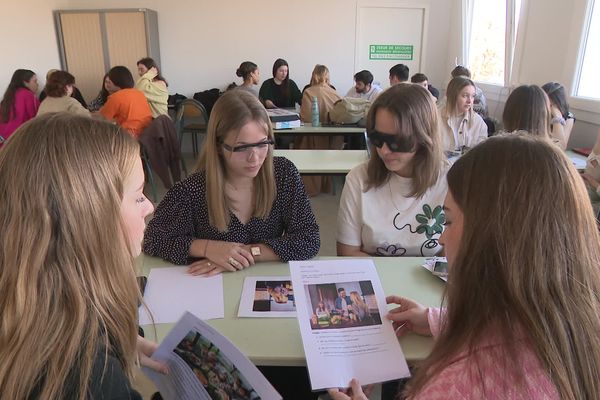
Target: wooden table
276 341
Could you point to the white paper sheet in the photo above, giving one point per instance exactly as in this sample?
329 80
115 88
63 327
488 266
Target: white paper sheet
267 297
171 291
345 335
205 365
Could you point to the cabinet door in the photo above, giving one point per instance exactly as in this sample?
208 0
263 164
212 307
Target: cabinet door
84 57
126 38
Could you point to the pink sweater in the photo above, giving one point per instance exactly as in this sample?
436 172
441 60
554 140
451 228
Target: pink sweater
460 379
25 107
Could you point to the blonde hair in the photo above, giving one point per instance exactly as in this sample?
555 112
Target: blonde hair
320 75
526 266
453 90
416 116
230 113
66 268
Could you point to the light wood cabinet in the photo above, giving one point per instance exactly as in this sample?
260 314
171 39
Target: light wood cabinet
93 41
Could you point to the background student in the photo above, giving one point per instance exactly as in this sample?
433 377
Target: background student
364 88
59 88
250 73
461 126
280 91
399 73
68 313
391 205
153 85
242 206
76 92
97 103
125 105
560 110
19 103
522 317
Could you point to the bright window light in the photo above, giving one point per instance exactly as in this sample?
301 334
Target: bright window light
589 77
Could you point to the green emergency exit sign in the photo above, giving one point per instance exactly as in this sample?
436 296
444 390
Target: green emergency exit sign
390 52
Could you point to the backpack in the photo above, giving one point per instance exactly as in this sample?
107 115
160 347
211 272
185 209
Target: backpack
208 98
349 110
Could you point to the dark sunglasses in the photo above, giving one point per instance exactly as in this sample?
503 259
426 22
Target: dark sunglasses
396 143
246 147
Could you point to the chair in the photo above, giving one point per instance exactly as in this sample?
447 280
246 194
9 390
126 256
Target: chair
191 117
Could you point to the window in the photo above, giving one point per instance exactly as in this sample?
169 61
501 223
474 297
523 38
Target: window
588 82
485 37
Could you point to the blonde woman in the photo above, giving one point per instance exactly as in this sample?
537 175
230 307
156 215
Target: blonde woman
392 204
242 205
522 318
73 217
320 88
462 128
359 307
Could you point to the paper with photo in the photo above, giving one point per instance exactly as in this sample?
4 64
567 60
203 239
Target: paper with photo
205 365
171 291
267 297
430 262
341 311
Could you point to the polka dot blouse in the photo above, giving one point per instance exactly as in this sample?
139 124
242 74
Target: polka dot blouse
290 229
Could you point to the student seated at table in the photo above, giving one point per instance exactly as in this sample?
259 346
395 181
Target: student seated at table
326 98
528 109
364 88
19 103
69 308
560 110
462 128
59 89
280 91
479 101
399 73
153 85
391 205
522 318
76 92
100 100
126 106
242 206
250 73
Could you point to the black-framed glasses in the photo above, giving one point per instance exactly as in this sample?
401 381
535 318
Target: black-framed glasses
244 148
396 143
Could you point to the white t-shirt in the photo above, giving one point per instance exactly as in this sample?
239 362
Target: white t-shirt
371 95
384 222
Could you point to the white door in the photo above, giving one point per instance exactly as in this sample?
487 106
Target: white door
388 34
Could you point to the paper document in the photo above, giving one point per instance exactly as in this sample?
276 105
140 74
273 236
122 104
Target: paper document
171 291
430 264
341 309
267 296
205 365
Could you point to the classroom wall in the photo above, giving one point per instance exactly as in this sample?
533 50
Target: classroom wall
202 42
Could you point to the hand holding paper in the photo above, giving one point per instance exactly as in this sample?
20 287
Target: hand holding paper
354 392
409 317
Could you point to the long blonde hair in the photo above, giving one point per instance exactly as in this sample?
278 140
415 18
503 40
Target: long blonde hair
320 75
417 117
527 268
66 268
230 113
452 91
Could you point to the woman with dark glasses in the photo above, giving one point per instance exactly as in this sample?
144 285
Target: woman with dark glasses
242 205
392 204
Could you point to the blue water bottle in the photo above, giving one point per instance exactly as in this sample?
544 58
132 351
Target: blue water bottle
315 112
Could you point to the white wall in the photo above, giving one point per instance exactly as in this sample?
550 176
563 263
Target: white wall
202 42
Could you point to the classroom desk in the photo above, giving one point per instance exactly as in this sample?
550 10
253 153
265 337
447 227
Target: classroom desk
276 341
308 129
324 162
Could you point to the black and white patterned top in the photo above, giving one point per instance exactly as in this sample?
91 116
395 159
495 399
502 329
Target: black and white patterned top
290 229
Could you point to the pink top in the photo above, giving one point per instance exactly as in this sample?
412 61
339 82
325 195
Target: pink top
460 379
25 107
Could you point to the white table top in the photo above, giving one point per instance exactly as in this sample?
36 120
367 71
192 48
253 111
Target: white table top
324 161
308 129
276 341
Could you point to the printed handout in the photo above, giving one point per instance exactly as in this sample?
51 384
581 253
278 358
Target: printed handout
341 308
267 297
204 365
171 291
430 264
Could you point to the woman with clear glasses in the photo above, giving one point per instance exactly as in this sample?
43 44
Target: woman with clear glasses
242 205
